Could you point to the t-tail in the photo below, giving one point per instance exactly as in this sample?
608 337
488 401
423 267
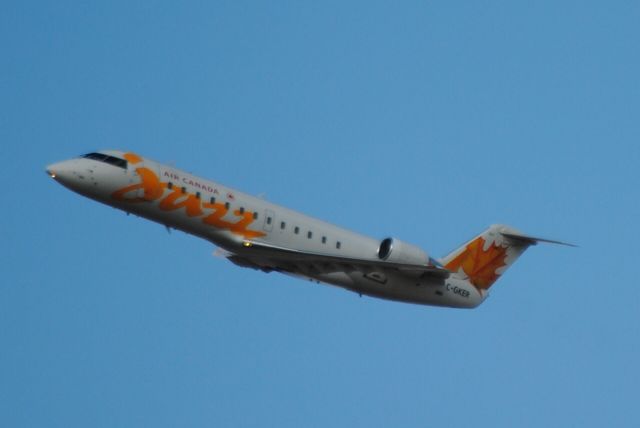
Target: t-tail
482 260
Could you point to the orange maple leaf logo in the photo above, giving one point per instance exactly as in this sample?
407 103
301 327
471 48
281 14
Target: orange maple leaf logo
480 265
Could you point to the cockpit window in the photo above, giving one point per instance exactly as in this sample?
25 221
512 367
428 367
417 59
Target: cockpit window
112 160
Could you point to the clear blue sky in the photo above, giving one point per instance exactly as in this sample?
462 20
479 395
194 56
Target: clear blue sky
426 121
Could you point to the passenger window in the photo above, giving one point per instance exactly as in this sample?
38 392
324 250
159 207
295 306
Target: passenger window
183 189
338 245
282 225
269 220
255 215
324 239
197 195
226 205
241 210
309 234
296 230
212 200
169 185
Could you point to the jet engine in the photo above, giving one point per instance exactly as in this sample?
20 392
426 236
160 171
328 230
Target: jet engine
394 250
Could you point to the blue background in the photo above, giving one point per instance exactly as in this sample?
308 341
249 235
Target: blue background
426 121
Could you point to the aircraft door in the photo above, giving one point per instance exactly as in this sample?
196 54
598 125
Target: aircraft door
146 174
269 219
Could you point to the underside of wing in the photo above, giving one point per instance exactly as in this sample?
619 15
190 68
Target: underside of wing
271 257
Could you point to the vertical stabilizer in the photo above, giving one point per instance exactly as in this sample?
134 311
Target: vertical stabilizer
483 259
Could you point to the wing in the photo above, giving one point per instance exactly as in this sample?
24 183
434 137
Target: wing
272 257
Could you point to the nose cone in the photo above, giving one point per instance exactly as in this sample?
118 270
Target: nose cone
62 172
50 171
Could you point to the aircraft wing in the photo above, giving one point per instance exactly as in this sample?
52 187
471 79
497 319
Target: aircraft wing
294 260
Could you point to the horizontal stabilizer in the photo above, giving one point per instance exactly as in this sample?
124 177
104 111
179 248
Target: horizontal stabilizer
483 259
530 240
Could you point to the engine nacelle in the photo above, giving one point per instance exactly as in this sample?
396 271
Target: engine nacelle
394 250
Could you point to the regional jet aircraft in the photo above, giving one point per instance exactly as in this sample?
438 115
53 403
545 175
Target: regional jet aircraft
257 234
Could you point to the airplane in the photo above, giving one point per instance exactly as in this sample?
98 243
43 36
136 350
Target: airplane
257 234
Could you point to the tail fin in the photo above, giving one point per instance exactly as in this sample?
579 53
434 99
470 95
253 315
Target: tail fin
482 260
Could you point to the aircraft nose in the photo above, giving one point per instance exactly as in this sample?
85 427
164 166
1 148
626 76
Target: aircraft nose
50 171
61 171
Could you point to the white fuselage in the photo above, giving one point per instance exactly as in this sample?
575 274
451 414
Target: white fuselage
228 217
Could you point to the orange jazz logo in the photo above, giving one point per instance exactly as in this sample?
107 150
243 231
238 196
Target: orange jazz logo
151 188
